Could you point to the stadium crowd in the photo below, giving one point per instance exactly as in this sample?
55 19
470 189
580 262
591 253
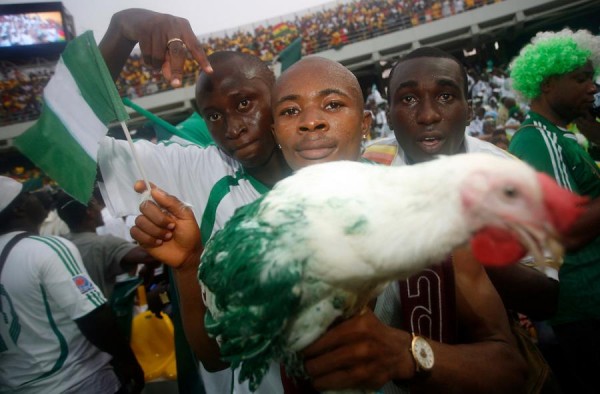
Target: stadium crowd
331 27
22 92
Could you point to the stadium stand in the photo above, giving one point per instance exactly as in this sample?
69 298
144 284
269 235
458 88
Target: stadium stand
364 35
334 26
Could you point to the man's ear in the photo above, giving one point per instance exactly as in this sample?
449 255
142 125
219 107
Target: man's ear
274 135
470 113
388 117
90 213
366 123
19 210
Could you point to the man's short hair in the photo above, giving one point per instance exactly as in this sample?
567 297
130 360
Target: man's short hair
549 54
431 52
251 60
71 211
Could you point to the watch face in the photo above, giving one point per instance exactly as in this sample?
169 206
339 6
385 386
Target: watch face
423 353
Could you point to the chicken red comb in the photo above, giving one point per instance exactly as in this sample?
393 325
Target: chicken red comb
563 206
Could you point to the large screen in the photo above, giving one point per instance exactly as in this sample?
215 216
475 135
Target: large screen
34 30
31 29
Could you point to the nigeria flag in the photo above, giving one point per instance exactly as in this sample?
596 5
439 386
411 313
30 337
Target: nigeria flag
79 102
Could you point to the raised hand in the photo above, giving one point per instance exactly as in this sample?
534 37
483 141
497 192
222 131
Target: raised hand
167 228
163 41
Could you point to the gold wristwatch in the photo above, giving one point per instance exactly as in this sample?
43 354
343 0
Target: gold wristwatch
422 354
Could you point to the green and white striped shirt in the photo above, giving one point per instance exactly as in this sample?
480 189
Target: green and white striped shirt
44 287
556 152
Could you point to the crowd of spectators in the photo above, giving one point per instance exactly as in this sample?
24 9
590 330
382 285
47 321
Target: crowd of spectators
497 111
331 27
335 26
22 92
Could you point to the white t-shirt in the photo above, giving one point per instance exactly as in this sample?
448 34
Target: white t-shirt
214 184
44 287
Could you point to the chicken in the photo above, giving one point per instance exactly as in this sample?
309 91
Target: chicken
327 240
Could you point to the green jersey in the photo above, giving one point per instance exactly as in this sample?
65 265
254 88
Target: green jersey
555 151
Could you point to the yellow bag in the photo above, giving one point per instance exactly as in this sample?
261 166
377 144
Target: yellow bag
153 343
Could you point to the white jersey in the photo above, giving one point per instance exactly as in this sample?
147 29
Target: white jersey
43 288
214 184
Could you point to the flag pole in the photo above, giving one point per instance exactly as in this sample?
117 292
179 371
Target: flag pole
146 195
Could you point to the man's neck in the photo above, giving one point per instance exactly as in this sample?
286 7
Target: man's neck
542 108
20 226
274 170
84 228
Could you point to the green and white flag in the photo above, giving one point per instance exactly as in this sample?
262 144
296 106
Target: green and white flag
79 102
287 57
192 130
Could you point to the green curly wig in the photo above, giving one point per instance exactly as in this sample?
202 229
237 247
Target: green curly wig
552 53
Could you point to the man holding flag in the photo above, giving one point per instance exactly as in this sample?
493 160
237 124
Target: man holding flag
234 100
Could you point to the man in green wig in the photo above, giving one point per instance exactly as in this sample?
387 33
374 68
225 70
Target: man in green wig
555 72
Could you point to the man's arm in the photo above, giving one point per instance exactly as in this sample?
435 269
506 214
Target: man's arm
192 315
173 237
135 256
101 329
362 352
526 290
489 360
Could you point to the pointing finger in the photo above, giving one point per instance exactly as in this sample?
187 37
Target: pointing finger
172 68
197 51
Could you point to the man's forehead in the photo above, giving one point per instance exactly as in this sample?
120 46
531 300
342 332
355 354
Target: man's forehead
230 78
423 67
321 76
587 68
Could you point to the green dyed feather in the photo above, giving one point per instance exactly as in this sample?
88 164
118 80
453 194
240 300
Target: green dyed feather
253 297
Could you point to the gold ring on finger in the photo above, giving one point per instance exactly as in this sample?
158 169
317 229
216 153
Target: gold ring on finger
172 40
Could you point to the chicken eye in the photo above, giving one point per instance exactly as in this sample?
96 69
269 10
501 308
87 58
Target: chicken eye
510 191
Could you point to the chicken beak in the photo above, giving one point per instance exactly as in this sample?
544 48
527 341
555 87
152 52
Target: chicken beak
532 239
557 251
537 241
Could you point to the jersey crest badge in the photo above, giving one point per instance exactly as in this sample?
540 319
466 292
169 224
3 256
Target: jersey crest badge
83 284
